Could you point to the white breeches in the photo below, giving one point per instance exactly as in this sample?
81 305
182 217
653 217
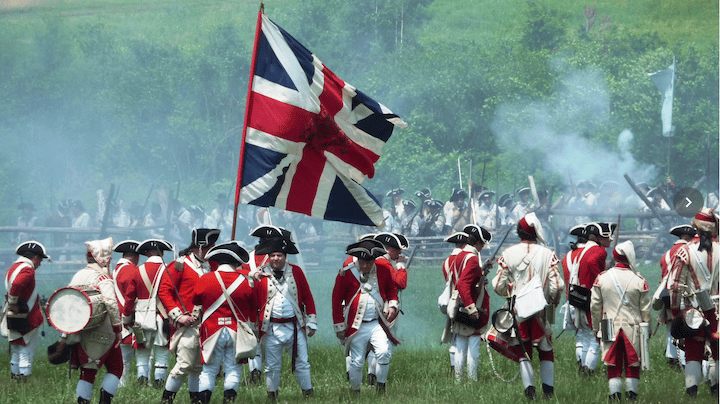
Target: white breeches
467 351
223 355
373 334
273 349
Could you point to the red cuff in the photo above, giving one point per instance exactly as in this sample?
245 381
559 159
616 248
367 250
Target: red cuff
117 328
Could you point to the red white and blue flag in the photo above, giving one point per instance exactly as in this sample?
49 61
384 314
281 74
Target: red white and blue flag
310 139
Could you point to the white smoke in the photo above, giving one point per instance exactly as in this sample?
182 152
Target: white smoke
560 127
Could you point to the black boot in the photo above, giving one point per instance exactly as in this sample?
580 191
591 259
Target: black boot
615 398
255 377
203 397
195 397
714 390
692 391
229 396
105 397
380 388
530 392
272 396
308 393
372 379
631 395
168 397
83 401
159 383
548 390
143 381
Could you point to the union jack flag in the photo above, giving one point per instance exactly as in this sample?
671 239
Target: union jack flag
310 139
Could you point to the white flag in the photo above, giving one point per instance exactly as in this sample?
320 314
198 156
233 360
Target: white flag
665 82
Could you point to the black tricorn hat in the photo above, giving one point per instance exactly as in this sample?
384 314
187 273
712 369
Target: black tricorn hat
423 193
678 231
366 250
153 244
276 244
458 237
32 247
368 236
57 357
600 229
505 200
409 205
228 252
579 231
478 232
434 204
267 231
457 194
127 246
204 237
392 240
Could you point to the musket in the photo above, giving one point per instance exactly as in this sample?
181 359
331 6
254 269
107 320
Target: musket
106 214
459 173
489 261
412 255
534 191
616 233
147 199
643 197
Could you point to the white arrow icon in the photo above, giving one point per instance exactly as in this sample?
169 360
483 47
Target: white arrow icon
689 202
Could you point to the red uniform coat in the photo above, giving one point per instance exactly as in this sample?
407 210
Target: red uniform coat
216 310
299 291
666 259
447 264
177 287
22 291
399 274
259 260
591 265
345 292
467 285
137 289
122 277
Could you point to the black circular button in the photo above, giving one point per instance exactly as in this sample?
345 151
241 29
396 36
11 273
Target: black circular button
688 202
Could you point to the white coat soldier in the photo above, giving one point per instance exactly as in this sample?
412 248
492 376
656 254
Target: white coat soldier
287 314
693 279
98 346
486 212
364 303
523 206
122 277
457 211
621 296
177 289
23 314
145 314
397 209
222 299
520 267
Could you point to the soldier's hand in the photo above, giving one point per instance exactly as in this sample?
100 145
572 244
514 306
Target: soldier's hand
391 314
259 275
476 315
401 258
310 332
185 320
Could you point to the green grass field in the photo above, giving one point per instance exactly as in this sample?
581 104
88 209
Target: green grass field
419 371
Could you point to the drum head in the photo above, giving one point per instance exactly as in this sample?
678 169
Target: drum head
69 310
502 320
694 319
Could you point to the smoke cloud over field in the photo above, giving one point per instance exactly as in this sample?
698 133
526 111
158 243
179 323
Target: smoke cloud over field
560 128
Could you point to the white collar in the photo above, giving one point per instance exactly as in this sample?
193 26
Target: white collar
226 268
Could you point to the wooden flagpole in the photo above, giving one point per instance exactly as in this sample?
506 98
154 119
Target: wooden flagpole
238 187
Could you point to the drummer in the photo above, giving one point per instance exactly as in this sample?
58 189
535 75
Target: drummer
99 345
22 297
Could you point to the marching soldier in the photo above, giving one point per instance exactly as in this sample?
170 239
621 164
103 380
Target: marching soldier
693 279
527 266
684 233
475 301
571 265
99 346
451 274
591 264
215 292
122 278
23 316
364 304
621 297
142 291
288 314
177 289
